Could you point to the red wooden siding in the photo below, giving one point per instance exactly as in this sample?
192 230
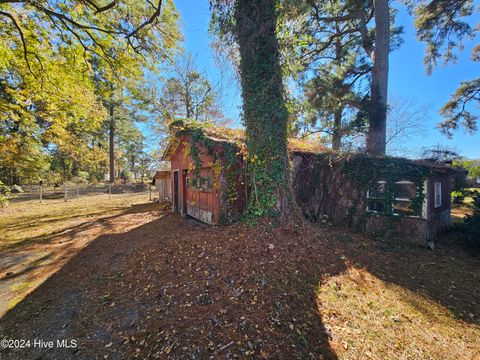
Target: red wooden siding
198 203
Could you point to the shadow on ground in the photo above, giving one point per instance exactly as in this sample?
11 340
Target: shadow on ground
171 288
23 268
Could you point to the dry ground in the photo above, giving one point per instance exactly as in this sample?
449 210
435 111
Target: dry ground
154 285
36 239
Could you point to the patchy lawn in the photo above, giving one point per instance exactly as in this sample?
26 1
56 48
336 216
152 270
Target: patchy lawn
36 239
370 318
31 221
460 212
172 288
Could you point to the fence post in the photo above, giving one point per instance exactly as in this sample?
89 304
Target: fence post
109 190
150 196
65 193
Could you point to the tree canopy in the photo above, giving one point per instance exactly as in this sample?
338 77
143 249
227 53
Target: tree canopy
61 64
444 26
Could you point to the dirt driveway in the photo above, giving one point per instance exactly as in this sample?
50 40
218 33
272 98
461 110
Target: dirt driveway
159 286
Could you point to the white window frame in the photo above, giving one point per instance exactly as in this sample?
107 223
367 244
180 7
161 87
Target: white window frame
425 199
374 198
437 194
423 212
403 199
405 182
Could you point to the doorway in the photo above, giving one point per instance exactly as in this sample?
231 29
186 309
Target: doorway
175 191
184 192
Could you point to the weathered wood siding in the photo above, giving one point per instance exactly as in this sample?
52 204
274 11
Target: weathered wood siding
323 191
164 187
203 205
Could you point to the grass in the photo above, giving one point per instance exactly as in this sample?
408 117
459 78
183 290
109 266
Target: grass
378 299
460 211
21 287
21 222
370 318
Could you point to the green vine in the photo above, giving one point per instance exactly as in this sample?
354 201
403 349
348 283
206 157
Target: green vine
228 163
365 171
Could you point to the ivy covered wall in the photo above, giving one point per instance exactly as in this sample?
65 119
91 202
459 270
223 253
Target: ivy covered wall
335 188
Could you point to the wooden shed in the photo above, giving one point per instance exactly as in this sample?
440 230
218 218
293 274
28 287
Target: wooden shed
200 176
207 171
392 197
163 184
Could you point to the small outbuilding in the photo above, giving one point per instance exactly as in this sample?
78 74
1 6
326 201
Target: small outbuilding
163 184
383 195
387 196
206 172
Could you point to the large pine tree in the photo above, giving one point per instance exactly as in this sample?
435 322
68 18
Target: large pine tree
265 112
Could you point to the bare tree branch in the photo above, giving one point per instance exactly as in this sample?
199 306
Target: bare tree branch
148 21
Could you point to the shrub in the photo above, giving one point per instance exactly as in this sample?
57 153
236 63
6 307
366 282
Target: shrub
81 178
458 196
471 226
4 194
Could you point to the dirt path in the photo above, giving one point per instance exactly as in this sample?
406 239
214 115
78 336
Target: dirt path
23 269
158 286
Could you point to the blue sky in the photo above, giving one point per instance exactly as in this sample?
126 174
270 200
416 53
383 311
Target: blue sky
407 78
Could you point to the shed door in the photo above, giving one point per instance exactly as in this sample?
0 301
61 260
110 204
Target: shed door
184 192
201 196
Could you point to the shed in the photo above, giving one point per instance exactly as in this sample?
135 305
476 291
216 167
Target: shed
382 195
163 184
199 177
387 196
208 176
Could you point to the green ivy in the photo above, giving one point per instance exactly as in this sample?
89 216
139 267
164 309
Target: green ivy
365 171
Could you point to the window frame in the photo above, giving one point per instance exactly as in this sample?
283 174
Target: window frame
200 183
404 199
437 194
392 201
369 197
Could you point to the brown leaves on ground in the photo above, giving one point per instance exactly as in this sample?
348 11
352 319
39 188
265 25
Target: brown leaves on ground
173 288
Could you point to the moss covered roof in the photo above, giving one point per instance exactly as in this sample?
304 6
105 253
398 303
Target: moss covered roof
179 128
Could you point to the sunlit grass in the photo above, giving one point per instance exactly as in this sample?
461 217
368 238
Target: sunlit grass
23 221
369 318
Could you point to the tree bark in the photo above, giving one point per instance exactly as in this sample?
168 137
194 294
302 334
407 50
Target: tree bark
376 138
111 145
265 112
337 130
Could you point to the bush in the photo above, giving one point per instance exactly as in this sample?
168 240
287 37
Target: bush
81 178
126 176
4 194
16 189
471 226
458 197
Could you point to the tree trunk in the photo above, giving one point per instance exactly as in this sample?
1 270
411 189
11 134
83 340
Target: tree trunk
111 145
376 138
337 130
265 112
